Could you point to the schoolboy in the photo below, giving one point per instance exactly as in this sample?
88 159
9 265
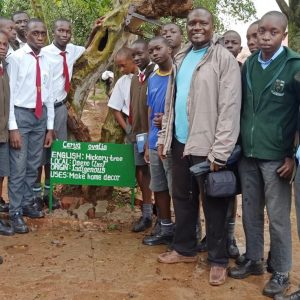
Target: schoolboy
4 113
31 113
268 126
161 170
20 18
233 42
8 26
251 37
173 34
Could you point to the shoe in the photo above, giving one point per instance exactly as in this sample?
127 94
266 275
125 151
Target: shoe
293 296
32 211
202 246
156 228
241 260
4 207
55 202
276 285
232 249
268 264
157 239
174 257
6 228
142 224
217 275
249 268
18 223
38 203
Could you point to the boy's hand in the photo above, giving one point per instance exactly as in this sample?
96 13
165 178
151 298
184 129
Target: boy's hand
48 139
214 167
98 23
160 149
286 170
15 139
146 156
157 120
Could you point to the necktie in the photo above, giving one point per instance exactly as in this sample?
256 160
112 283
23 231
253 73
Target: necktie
66 72
38 104
1 71
141 77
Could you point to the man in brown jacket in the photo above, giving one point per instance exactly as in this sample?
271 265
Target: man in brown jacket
201 122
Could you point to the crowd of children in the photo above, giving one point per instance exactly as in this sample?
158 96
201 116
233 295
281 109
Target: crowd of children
179 105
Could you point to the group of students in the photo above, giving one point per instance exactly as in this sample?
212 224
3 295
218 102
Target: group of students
178 106
194 104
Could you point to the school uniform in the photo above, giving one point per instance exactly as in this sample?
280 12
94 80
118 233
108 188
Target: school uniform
31 112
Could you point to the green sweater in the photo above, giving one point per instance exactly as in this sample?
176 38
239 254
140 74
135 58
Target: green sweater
270 106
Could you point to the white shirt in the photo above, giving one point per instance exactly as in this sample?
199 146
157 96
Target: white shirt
21 44
10 51
52 53
22 74
120 97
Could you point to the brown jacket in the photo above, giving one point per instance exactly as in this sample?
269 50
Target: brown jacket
214 103
4 106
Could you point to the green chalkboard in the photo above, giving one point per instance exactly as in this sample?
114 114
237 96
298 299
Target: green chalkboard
98 164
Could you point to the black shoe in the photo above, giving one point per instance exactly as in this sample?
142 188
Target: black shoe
156 228
6 228
142 224
32 211
202 246
38 203
55 202
158 239
293 296
241 260
249 268
18 223
232 249
4 207
276 285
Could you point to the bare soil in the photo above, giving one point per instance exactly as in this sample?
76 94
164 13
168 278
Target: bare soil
64 258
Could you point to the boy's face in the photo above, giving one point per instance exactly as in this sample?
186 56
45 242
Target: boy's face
125 65
172 34
36 35
21 21
252 38
140 55
3 45
62 33
9 29
232 43
270 34
199 28
159 52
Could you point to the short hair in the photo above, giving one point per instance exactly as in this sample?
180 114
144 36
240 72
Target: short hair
60 20
3 20
160 38
125 52
19 12
4 33
141 41
233 32
180 29
254 23
34 20
279 15
202 8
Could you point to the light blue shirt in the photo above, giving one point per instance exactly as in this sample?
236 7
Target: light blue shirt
265 64
183 82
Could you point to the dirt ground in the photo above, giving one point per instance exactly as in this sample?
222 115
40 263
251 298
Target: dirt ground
64 258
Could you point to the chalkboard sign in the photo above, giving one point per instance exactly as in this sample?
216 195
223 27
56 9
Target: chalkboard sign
99 164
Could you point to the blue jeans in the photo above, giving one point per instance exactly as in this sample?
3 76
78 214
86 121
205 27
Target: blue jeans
24 162
262 187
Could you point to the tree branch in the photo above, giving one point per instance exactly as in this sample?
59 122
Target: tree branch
284 7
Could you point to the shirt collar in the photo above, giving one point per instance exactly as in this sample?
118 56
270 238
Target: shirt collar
260 60
28 50
56 50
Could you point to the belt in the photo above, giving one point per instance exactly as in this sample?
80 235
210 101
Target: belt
58 104
26 108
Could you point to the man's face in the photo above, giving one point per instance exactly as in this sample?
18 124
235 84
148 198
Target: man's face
3 45
9 29
125 65
62 33
140 55
252 38
159 52
21 21
36 35
199 28
172 34
232 43
270 34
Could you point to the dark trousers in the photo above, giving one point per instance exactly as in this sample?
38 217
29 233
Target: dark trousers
185 193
